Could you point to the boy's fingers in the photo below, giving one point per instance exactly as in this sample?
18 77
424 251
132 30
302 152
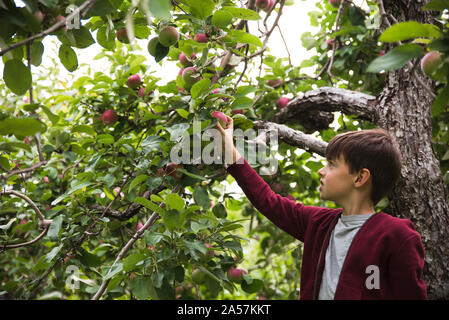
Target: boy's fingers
220 128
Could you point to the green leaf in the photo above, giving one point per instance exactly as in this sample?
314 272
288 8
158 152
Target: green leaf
106 39
105 139
83 128
55 227
37 49
222 18
244 37
396 58
160 9
152 238
68 57
255 286
17 76
51 116
89 260
174 201
149 205
173 219
183 113
199 87
409 30
437 5
100 8
200 9
130 262
141 287
241 13
138 180
53 253
441 102
118 267
21 127
201 197
242 103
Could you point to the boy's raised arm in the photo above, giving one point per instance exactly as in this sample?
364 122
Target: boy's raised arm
286 214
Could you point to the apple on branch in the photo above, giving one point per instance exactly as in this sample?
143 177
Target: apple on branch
171 170
221 118
335 3
168 36
190 75
282 102
430 63
122 35
236 275
109 117
134 81
200 37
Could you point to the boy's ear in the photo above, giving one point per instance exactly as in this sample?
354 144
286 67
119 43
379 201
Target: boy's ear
362 177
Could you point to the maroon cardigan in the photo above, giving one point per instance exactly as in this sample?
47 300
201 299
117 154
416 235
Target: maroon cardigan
389 243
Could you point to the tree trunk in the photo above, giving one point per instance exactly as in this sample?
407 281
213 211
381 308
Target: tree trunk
420 195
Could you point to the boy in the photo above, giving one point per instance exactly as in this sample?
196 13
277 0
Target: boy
353 252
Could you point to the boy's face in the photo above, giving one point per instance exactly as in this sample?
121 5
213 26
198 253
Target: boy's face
336 181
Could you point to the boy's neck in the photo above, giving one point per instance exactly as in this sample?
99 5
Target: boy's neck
358 209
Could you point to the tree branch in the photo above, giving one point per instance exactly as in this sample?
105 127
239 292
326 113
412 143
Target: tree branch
330 99
294 137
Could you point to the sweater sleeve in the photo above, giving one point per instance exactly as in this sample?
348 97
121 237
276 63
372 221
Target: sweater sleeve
407 270
291 217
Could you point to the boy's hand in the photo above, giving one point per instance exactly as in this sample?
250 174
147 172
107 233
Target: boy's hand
230 152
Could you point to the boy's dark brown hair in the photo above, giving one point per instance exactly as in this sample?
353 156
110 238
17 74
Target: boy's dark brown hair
372 149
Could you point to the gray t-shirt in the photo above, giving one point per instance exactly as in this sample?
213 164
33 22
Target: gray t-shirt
340 240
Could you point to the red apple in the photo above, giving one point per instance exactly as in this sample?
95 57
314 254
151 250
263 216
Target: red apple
210 253
237 111
430 62
274 82
330 42
26 140
46 180
282 102
190 76
186 62
221 118
198 276
141 92
38 17
236 274
122 35
200 37
171 170
109 117
381 53
139 225
168 36
134 81
335 3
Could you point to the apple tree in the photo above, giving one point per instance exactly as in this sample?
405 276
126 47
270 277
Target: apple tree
92 206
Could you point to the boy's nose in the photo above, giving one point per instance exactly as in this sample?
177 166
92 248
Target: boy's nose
320 172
